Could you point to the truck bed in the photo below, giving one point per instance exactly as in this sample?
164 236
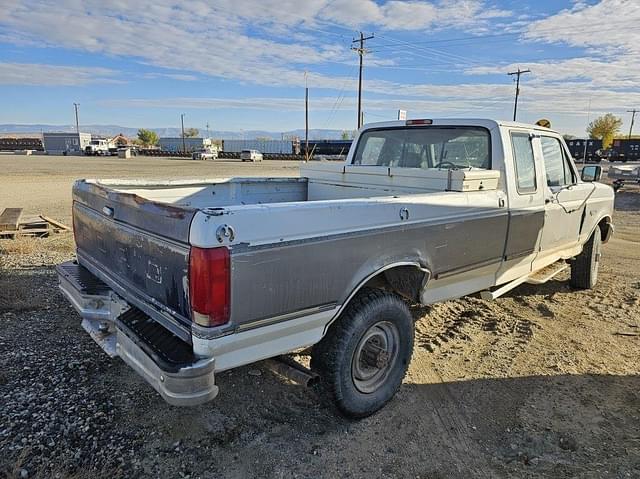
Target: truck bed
136 236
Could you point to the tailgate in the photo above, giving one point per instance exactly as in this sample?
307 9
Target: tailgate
138 247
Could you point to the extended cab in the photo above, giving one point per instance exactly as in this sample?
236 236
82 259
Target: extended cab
183 279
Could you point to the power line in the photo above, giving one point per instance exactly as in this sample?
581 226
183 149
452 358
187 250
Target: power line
517 73
361 51
633 117
440 55
340 97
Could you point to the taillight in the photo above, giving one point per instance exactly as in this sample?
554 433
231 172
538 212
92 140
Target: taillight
210 285
419 122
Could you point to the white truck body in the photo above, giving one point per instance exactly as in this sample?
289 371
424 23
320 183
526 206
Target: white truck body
297 250
99 147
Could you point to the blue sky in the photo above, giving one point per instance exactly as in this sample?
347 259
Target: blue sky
241 65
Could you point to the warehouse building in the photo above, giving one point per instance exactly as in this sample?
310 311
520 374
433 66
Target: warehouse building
64 143
175 144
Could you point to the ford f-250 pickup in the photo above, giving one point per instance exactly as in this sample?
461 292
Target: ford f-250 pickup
184 279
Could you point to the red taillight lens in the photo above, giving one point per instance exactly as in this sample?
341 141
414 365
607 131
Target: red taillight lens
419 122
210 285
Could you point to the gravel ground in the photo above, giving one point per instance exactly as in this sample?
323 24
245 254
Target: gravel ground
543 382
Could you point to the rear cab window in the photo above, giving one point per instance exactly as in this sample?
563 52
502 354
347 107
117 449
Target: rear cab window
425 147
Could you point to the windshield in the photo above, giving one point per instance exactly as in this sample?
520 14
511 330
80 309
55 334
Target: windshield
429 147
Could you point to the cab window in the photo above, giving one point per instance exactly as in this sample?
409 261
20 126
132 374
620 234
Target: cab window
524 162
556 163
450 147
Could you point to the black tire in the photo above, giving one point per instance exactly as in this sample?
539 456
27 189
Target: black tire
373 322
584 269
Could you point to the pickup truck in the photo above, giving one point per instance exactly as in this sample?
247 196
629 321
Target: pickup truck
184 279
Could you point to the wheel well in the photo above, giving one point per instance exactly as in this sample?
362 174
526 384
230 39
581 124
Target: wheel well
406 280
605 227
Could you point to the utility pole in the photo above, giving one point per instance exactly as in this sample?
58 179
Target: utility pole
208 130
306 119
76 105
518 73
361 51
584 153
184 146
633 117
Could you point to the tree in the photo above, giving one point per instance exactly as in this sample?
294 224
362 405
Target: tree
605 128
191 132
148 137
347 134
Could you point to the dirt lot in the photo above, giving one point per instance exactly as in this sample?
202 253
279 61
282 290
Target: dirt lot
544 382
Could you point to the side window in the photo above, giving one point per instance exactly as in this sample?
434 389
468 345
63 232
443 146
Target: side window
556 164
524 162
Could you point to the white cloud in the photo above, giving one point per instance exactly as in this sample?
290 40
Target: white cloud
297 104
172 76
271 43
242 41
609 27
53 75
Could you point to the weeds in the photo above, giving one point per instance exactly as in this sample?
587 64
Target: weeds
61 243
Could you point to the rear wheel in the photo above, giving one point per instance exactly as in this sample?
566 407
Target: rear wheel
365 354
584 269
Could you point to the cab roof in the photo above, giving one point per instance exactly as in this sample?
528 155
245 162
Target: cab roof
481 122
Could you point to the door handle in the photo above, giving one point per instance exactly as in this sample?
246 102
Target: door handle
547 201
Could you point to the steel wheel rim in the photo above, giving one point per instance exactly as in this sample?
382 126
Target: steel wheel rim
375 356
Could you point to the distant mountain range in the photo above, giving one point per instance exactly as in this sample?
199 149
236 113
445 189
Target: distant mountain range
112 130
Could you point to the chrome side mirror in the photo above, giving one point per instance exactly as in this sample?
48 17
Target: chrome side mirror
591 173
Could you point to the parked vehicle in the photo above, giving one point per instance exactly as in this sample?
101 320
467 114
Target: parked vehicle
621 174
185 279
250 155
205 154
100 148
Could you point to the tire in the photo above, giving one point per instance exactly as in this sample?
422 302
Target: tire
584 269
364 356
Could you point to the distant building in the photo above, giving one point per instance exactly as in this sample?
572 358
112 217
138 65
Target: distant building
63 143
175 144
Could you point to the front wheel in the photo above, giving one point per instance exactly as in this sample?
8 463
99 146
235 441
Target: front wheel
584 269
365 354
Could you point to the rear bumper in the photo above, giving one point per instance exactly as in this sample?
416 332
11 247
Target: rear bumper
165 361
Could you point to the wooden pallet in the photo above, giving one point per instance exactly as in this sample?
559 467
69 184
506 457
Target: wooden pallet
14 224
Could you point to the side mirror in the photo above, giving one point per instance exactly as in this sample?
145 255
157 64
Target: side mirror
591 173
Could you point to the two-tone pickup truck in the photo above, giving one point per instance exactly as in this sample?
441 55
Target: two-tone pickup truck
184 279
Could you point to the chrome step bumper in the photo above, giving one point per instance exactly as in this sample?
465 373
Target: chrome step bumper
165 361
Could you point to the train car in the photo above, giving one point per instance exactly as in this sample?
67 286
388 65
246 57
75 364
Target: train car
274 147
21 143
577 149
328 147
627 149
